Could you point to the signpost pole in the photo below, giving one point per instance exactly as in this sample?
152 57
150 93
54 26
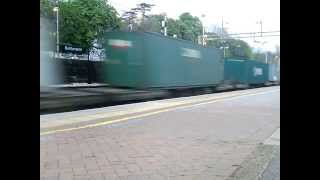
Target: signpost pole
89 68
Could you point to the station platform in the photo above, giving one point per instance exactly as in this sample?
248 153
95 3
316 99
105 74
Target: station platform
205 137
63 119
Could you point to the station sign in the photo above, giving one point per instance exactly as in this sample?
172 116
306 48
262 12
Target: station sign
72 49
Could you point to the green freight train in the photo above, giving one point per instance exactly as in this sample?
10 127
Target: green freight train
148 60
143 60
246 72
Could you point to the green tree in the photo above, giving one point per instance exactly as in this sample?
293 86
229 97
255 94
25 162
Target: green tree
187 27
46 9
236 48
190 27
84 21
153 23
259 56
272 57
173 28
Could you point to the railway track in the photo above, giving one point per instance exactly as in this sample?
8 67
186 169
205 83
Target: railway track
64 99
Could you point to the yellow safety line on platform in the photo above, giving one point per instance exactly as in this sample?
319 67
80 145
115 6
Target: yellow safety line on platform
156 112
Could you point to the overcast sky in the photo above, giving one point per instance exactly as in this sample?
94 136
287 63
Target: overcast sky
240 16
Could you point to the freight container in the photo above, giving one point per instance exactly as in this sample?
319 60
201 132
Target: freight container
149 60
248 72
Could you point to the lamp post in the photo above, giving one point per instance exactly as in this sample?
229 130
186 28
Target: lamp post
223 38
266 57
222 28
238 50
203 43
89 67
56 9
260 22
266 53
164 25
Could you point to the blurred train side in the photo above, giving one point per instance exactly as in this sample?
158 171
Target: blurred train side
150 61
147 60
246 72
